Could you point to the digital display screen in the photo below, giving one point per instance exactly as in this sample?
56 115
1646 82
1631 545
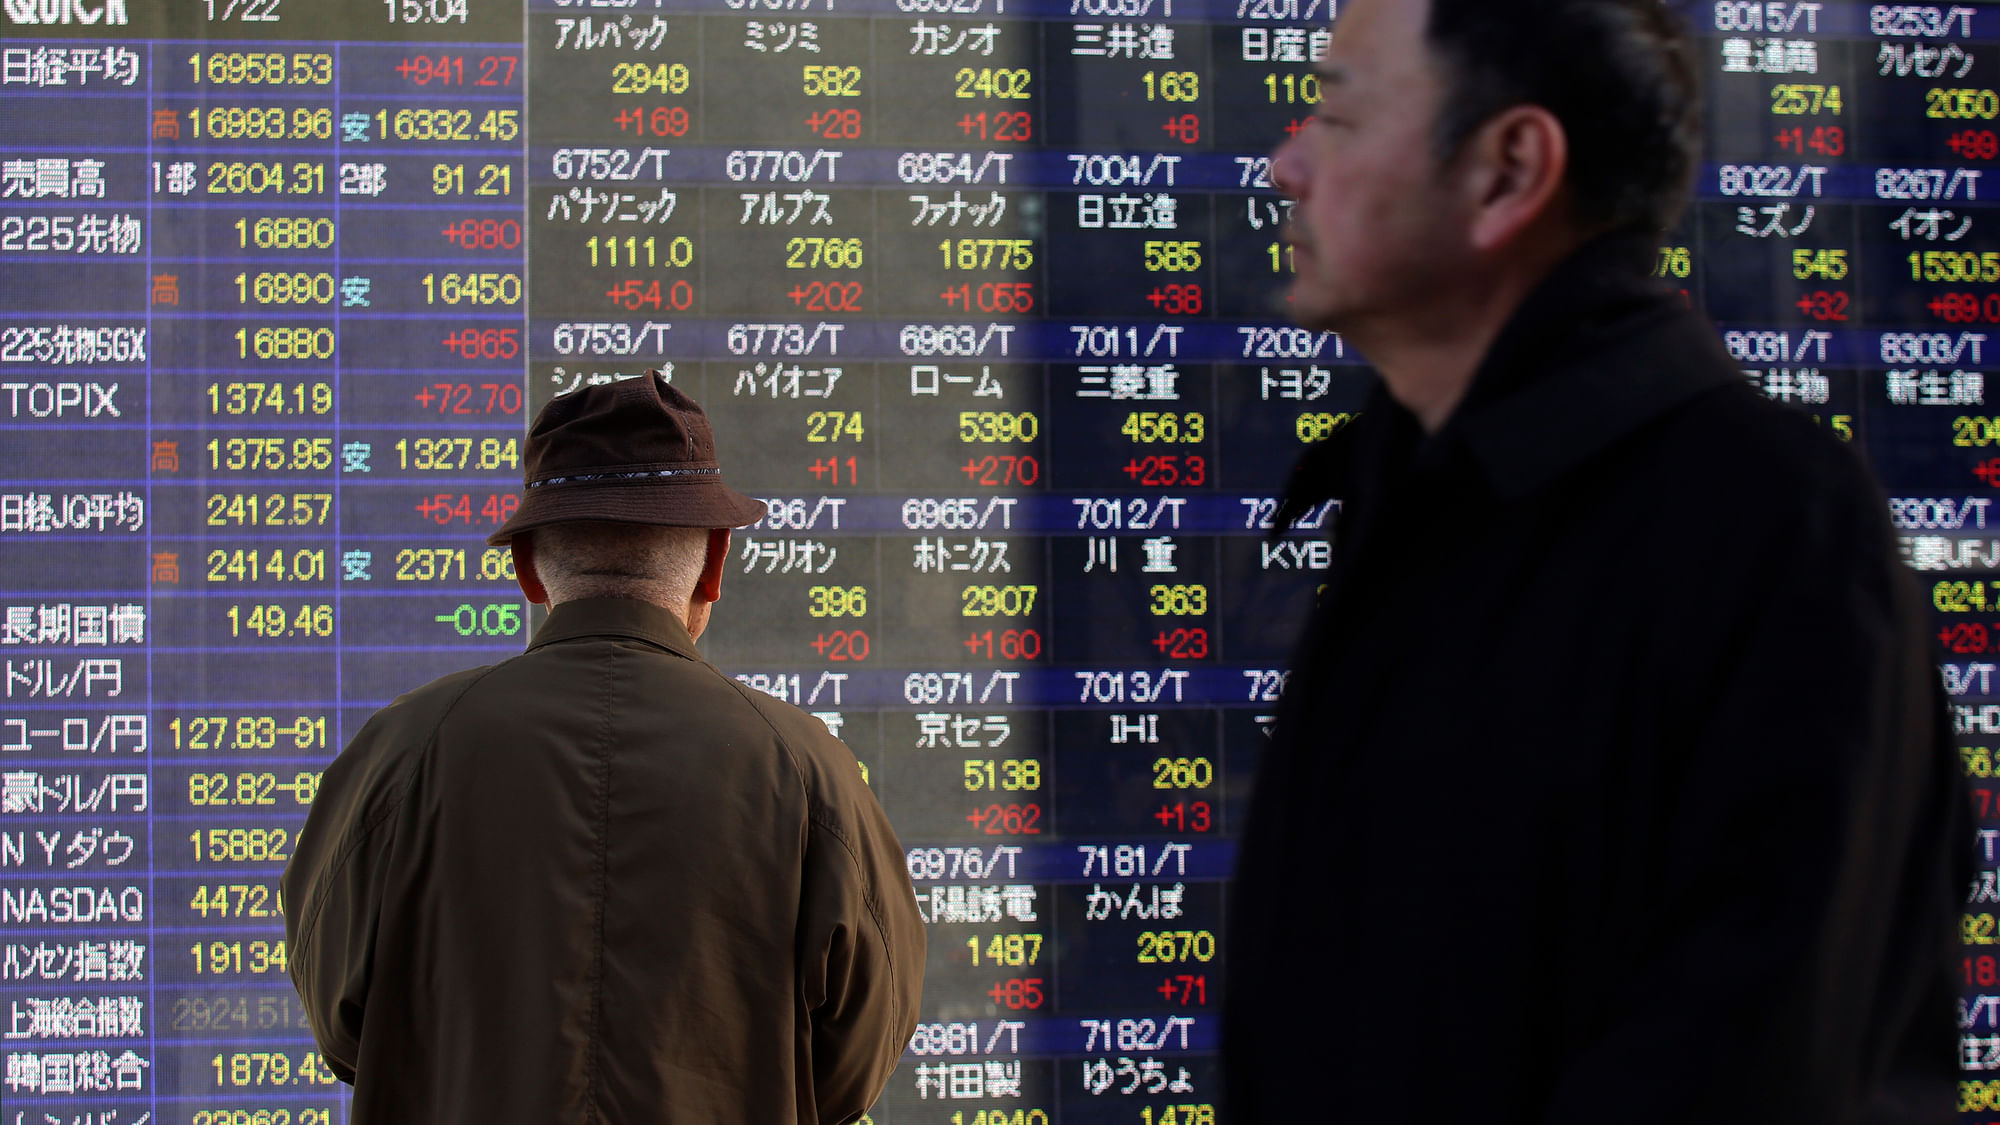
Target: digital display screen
985 297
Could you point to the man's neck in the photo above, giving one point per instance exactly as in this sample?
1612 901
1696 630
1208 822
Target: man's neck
1428 361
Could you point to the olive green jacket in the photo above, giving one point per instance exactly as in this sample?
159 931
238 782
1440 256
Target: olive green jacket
602 882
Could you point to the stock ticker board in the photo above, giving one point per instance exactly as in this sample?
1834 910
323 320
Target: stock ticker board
985 297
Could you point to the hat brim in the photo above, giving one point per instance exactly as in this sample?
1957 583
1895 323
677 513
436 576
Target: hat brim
695 503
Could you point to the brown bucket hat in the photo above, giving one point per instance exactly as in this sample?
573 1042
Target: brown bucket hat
630 451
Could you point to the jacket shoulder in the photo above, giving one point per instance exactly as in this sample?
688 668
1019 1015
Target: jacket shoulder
806 737
367 774
1754 462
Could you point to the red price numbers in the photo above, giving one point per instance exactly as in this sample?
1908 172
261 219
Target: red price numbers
1966 638
835 470
1183 816
999 470
493 71
471 398
827 296
1182 644
842 645
448 508
1975 144
835 124
1824 304
1017 993
1007 820
484 234
637 294
1010 644
1820 140
991 297
1184 989
1006 125
1167 470
659 121
1176 300
1966 308
1185 128
484 343
1982 971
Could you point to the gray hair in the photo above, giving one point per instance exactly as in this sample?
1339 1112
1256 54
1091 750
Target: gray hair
600 559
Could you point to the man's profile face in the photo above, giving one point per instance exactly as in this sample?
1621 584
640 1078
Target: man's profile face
1371 219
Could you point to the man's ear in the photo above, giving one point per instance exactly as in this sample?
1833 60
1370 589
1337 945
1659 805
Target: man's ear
709 588
1516 169
523 547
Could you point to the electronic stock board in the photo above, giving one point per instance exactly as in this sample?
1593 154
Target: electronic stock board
984 296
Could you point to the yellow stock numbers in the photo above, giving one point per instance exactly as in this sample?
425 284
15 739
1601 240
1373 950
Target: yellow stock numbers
632 250
424 124
472 289
997 601
285 342
1149 427
247 732
277 509
1177 600
1176 947
284 288
824 426
250 564
489 180
276 622
1012 950
237 900
223 958
998 426
455 454
249 398
262 68
1007 83
270 454
816 253
987 253
1318 425
1011 775
837 601
249 1069
1172 85
285 232
241 845
261 123
1172 255
448 564
1183 773
251 787
831 81
1799 99
1199 1113
1291 89
650 78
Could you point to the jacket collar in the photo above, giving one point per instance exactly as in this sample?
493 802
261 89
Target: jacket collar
616 617
1597 350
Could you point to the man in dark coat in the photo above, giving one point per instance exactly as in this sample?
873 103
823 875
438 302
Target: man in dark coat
602 881
1612 783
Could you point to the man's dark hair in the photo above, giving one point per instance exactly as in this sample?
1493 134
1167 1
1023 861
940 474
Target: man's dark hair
1619 74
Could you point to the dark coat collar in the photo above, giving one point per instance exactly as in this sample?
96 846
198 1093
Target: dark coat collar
616 617
1596 351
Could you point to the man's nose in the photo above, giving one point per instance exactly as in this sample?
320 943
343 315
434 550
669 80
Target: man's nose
1286 175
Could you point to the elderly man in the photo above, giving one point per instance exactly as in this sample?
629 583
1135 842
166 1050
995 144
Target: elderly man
602 881
1612 782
